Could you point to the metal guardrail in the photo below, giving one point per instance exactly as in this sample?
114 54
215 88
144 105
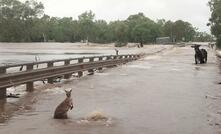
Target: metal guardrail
50 72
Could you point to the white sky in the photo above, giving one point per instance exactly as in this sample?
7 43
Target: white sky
194 11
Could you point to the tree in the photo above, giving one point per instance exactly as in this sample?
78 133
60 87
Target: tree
134 20
215 20
145 33
101 32
86 25
203 37
142 29
160 25
168 29
179 30
183 31
26 21
119 30
16 19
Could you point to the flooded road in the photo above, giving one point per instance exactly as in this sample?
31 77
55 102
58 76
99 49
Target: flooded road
164 93
12 53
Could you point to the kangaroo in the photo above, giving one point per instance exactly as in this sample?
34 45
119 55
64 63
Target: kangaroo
62 109
200 54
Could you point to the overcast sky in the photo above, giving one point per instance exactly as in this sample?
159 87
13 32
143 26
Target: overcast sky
195 11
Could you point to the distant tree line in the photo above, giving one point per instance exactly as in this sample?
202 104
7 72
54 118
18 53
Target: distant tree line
26 22
215 20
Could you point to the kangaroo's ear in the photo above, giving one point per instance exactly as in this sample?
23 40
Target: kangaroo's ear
71 90
65 91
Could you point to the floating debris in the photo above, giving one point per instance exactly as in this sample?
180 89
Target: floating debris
96 116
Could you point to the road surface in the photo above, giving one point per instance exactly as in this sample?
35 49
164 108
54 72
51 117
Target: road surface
164 93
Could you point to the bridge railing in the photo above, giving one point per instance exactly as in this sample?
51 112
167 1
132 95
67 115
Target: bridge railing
28 73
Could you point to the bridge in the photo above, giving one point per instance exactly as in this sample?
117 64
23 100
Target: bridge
28 73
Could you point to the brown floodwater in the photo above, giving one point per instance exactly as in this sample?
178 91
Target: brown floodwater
163 93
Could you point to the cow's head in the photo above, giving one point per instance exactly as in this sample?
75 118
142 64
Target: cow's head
196 47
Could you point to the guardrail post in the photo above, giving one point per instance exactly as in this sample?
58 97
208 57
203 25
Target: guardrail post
133 57
2 90
91 71
125 59
108 57
67 76
115 57
138 56
80 73
51 79
120 57
3 102
29 85
130 58
100 59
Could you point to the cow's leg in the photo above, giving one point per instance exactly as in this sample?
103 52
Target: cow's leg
205 59
196 59
202 61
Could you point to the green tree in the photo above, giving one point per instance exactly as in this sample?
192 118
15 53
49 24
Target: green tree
168 29
179 30
26 21
40 29
119 30
16 19
215 20
183 31
142 29
86 23
203 37
145 32
101 32
160 25
134 20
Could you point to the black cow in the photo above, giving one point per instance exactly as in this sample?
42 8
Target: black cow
200 54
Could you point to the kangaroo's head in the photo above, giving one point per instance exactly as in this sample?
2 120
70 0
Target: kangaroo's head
68 93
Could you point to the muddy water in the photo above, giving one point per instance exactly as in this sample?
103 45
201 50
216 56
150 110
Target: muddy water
160 94
12 53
